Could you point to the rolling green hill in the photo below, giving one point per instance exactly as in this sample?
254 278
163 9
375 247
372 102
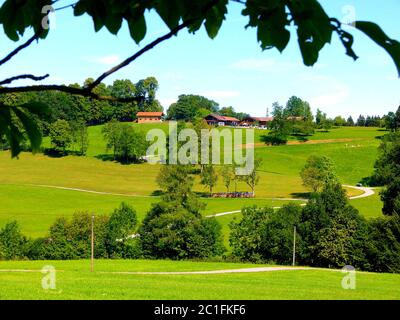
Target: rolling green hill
25 198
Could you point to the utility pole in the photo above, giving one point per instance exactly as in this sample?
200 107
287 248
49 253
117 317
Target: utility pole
294 245
92 246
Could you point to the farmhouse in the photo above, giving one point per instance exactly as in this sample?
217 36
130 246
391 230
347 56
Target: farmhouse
149 117
256 121
217 120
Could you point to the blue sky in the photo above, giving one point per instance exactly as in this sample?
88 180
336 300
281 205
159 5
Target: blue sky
230 69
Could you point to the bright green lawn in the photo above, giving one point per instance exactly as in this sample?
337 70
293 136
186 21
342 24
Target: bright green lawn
295 284
370 207
36 208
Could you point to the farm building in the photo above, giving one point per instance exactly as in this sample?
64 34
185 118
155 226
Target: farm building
256 121
149 117
217 120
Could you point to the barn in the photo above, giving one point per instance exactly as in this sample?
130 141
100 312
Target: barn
217 120
149 117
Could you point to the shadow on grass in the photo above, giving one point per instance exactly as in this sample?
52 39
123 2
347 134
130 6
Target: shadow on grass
59 154
105 157
110 157
157 193
301 195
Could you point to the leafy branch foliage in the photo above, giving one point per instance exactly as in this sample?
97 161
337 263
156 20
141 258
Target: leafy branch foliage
272 18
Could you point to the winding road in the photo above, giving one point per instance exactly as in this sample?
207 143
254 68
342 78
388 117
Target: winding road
367 193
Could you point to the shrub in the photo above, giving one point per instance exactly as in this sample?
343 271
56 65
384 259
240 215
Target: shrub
72 239
60 135
120 232
384 245
171 231
277 234
128 144
274 139
266 235
12 242
333 232
246 236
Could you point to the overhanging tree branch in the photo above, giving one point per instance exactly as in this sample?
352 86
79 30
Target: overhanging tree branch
150 46
77 91
23 76
88 90
139 53
18 49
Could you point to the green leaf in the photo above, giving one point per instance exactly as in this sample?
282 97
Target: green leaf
80 8
272 30
113 23
137 28
215 18
314 28
31 128
12 131
170 12
373 31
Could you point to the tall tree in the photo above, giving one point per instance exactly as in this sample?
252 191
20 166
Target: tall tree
318 172
209 177
188 106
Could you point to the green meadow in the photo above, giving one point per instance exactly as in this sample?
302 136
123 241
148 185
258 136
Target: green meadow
34 190
28 195
107 283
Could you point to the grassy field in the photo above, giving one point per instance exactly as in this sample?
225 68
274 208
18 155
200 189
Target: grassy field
36 207
103 284
370 207
27 194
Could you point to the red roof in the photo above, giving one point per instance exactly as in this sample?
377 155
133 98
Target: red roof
223 118
149 114
230 119
261 119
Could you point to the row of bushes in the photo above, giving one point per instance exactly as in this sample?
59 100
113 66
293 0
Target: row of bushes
168 231
72 239
330 233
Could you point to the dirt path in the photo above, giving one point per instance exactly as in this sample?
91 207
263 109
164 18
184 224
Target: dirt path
225 271
292 143
367 193
90 191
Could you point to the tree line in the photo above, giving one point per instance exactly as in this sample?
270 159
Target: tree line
192 108
64 116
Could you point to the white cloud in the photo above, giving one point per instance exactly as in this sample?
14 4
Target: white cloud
106 60
333 98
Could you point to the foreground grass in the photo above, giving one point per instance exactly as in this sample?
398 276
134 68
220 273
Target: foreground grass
74 281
